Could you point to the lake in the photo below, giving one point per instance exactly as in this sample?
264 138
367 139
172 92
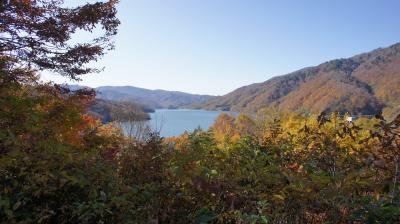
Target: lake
176 122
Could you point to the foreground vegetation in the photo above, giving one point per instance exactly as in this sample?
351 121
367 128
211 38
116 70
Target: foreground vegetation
58 165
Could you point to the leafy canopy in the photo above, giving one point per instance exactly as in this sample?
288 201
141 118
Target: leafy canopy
36 34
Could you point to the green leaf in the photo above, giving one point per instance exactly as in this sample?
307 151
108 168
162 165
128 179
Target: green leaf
203 216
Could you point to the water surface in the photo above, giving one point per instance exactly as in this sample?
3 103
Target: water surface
176 122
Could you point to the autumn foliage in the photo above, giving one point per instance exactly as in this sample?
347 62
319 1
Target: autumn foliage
59 164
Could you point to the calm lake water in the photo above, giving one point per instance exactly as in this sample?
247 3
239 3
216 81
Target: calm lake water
176 122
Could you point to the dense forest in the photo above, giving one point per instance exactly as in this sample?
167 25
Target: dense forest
60 164
108 110
364 84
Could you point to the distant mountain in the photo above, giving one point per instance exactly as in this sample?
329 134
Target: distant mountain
364 84
154 99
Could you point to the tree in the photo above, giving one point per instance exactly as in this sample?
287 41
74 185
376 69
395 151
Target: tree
245 125
36 35
48 147
223 127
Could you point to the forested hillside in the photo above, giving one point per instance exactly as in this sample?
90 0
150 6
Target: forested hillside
107 110
367 84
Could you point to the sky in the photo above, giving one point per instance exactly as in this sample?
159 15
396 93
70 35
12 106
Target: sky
215 46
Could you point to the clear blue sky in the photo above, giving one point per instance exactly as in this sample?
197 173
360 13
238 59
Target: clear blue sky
215 46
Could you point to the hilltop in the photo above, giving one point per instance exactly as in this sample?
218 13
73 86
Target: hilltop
367 83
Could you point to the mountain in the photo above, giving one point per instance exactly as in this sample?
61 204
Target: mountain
367 83
153 99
